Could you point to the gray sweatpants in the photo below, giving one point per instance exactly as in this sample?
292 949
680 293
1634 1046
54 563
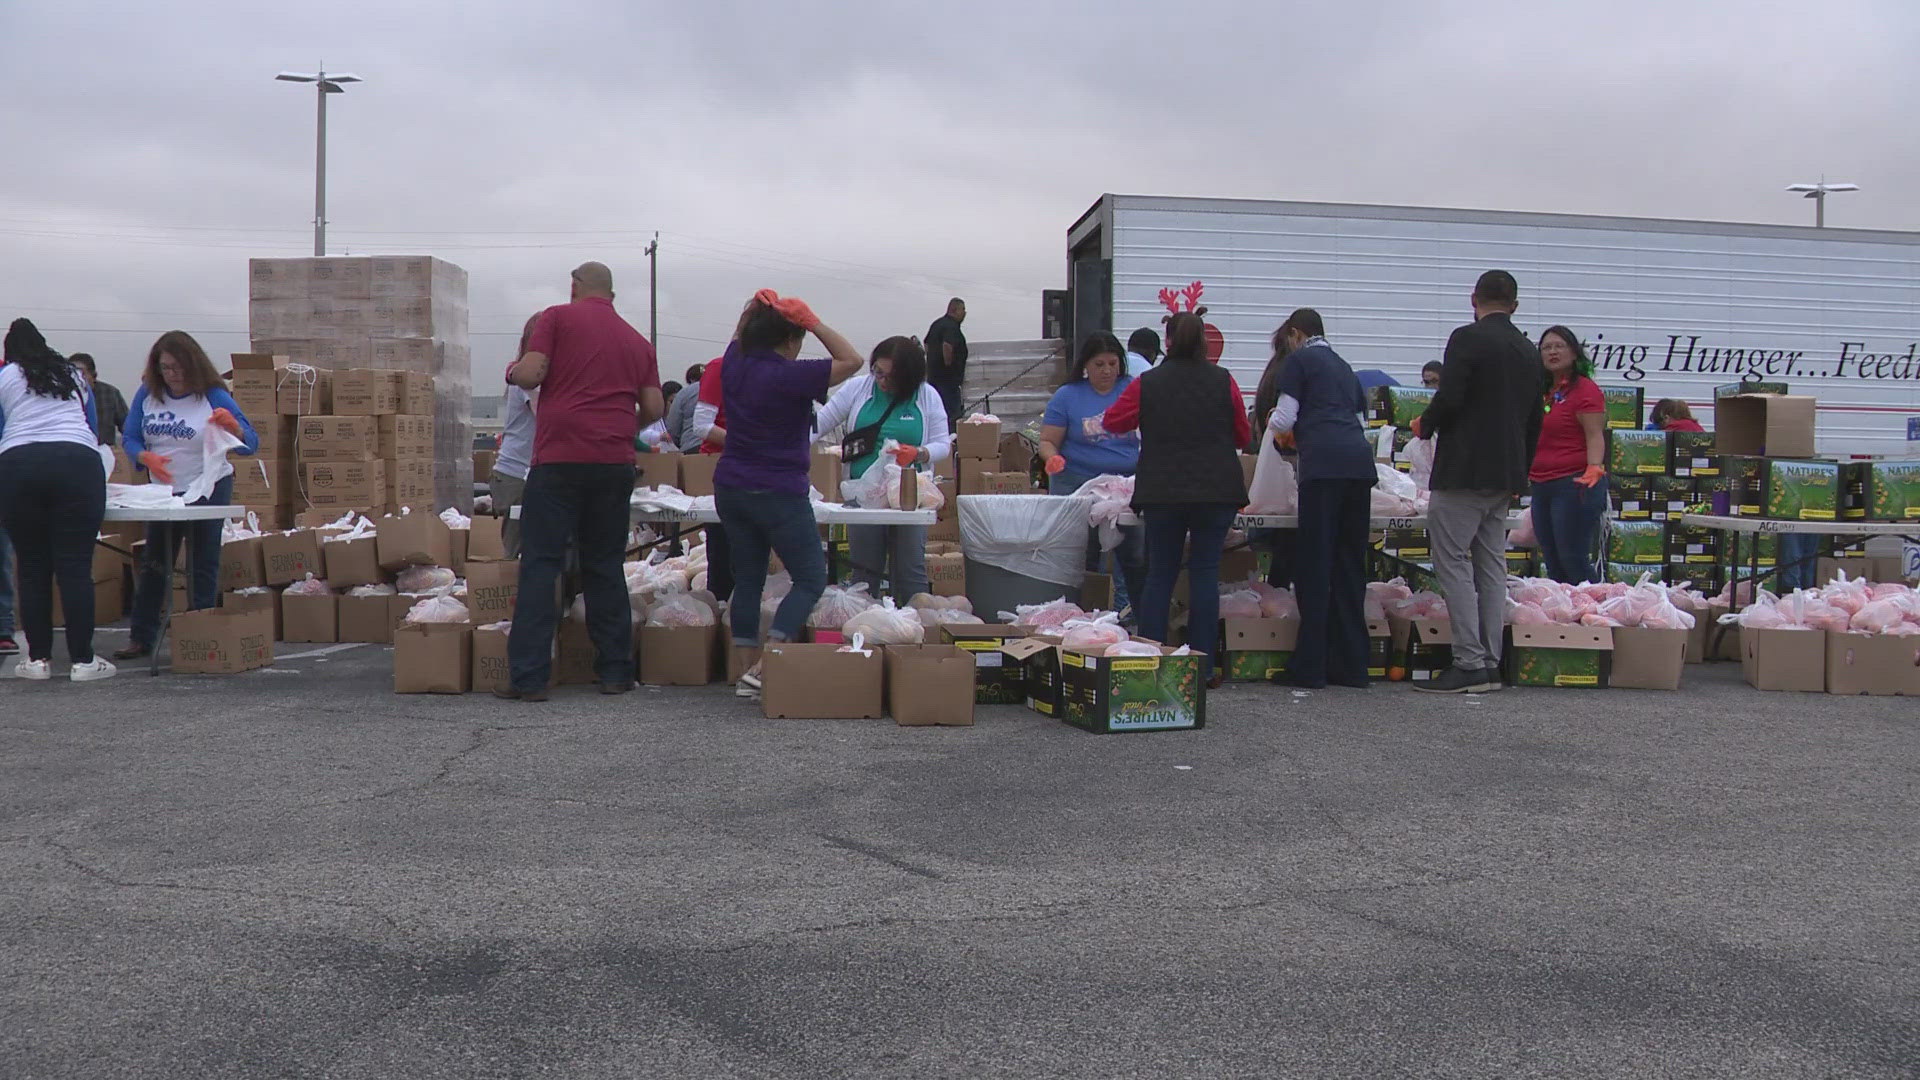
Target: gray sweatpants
1469 532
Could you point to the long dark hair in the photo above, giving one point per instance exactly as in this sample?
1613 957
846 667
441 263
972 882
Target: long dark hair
48 374
1581 365
1187 335
766 330
199 371
909 365
1098 343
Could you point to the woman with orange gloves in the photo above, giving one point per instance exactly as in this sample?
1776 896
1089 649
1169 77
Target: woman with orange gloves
894 401
181 397
1569 471
1076 446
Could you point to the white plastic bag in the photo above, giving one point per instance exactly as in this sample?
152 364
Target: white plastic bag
308 586
1094 635
1112 497
437 609
1036 536
682 609
884 624
455 519
1420 453
1044 617
837 605
1133 648
215 444
1275 488
1394 494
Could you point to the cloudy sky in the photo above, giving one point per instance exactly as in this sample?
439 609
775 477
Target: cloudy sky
874 157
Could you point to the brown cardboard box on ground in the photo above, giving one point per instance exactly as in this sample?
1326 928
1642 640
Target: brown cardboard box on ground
1789 660
573 661
929 685
291 556
352 562
1878 664
432 658
417 539
818 682
221 641
243 564
491 590
337 438
823 472
490 668
459 538
341 485
970 474
365 392
977 441
1645 659
678 655
365 619
656 470
255 599
696 473
484 543
310 618
1771 425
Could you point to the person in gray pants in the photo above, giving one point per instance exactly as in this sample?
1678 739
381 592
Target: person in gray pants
1487 415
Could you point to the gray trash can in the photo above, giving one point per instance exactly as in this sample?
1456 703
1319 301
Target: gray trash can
1023 549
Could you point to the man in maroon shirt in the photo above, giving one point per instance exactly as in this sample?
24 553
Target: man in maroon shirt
599 385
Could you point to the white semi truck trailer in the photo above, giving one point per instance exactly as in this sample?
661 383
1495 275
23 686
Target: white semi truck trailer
1678 308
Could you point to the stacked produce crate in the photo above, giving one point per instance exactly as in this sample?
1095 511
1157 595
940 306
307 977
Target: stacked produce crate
404 314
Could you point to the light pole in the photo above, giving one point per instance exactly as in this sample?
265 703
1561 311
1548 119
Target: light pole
325 84
1818 193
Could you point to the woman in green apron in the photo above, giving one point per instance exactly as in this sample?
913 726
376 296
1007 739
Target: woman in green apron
893 401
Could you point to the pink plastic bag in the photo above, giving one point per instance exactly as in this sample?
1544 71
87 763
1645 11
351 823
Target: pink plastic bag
1093 636
1877 617
1244 604
1527 613
1279 604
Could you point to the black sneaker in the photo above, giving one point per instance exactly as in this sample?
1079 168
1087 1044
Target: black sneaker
508 693
1494 681
616 687
8 646
1455 681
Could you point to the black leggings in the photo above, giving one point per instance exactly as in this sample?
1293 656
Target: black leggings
52 497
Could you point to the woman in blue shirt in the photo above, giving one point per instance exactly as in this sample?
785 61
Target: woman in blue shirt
1077 447
893 401
180 398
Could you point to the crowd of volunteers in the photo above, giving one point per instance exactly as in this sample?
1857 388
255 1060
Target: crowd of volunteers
584 389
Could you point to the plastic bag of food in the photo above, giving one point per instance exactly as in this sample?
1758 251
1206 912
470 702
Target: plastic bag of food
681 610
1279 604
1526 613
948 617
1048 616
1275 488
1420 454
1133 648
437 609
1388 591
373 590
1877 617
1093 635
419 579
1244 604
837 605
1112 498
884 624
981 418
1848 594
309 586
455 519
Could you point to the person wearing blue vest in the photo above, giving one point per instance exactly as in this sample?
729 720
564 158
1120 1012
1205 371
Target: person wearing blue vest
893 401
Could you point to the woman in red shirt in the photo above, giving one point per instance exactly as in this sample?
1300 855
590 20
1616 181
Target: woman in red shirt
1569 465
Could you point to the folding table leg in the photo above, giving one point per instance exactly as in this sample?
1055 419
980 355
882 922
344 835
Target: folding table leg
166 602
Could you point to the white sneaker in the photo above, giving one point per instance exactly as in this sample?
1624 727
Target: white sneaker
101 668
37 670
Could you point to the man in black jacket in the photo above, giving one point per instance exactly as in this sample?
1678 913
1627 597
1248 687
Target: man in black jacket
1487 414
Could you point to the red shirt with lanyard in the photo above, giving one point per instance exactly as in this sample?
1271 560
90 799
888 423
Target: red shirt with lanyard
1562 450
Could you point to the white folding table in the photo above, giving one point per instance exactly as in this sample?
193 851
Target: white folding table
169 516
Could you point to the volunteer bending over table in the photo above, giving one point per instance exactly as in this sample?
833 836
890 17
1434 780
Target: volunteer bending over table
53 494
1076 445
181 398
893 401
1321 403
760 485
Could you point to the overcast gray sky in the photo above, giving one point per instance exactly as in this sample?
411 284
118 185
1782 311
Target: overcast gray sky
874 157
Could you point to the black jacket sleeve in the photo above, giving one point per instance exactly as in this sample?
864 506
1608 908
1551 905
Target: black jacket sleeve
1457 366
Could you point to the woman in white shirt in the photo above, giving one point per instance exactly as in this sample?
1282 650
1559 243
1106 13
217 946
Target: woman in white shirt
53 494
892 401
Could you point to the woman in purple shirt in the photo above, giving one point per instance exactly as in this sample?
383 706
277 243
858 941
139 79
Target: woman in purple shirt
760 484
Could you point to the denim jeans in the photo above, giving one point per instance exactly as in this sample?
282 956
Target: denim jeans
1799 555
1331 564
52 497
1127 563
1566 522
6 583
203 566
1167 529
893 555
570 504
763 522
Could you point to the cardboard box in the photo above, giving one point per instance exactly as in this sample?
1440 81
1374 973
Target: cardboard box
1784 660
413 540
365 618
1257 649
679 655
492 588
1769 425
1096 592
415 389
998 483
1689 545
433 658
976 440
337 438
221 641
291 556
1578 657
1413 545
342 485
108 601
929 685
1038 659
1108 694
490 666
256 371
1379 648
1632 497
947 574
410 483
1423 647
1016 453
1795 491
484 543
1645 659
243 564
818 682
304 393
1636 453
483 462
1626 407
995 680
1880 490
823 472
264 481
1878 664
255 598
1399 405
573 662
656 470
352 562
365 392
405 437
1691 454
1670 496
696 474
1640 543
310 618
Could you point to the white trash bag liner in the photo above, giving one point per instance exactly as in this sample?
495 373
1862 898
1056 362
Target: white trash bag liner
1038 536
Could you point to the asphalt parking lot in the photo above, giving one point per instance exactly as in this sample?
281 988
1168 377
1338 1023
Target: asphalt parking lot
296 873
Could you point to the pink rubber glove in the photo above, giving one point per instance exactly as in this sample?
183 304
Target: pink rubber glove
1056 465
156 466
224 420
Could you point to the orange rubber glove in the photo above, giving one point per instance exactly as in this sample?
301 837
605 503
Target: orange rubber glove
907 455
1056 465
1592 476
1285 441
224 420
796 311
1416 428
156 466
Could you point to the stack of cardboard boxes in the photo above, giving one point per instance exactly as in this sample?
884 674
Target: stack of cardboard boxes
981 465
387 313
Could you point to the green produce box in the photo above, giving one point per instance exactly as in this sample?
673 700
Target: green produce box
1107 694
1746 476
1690 453
1735 389
1637 453
1801 490
1881 490
1423 647
1411 544
1745 545
1639 542
1632 497
1256 648
1379 648
1629 572
1560 656
1407 402
996 681
1689 545
1705 486
1670 496
1040 672
1626 407
1523 562
1706 579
